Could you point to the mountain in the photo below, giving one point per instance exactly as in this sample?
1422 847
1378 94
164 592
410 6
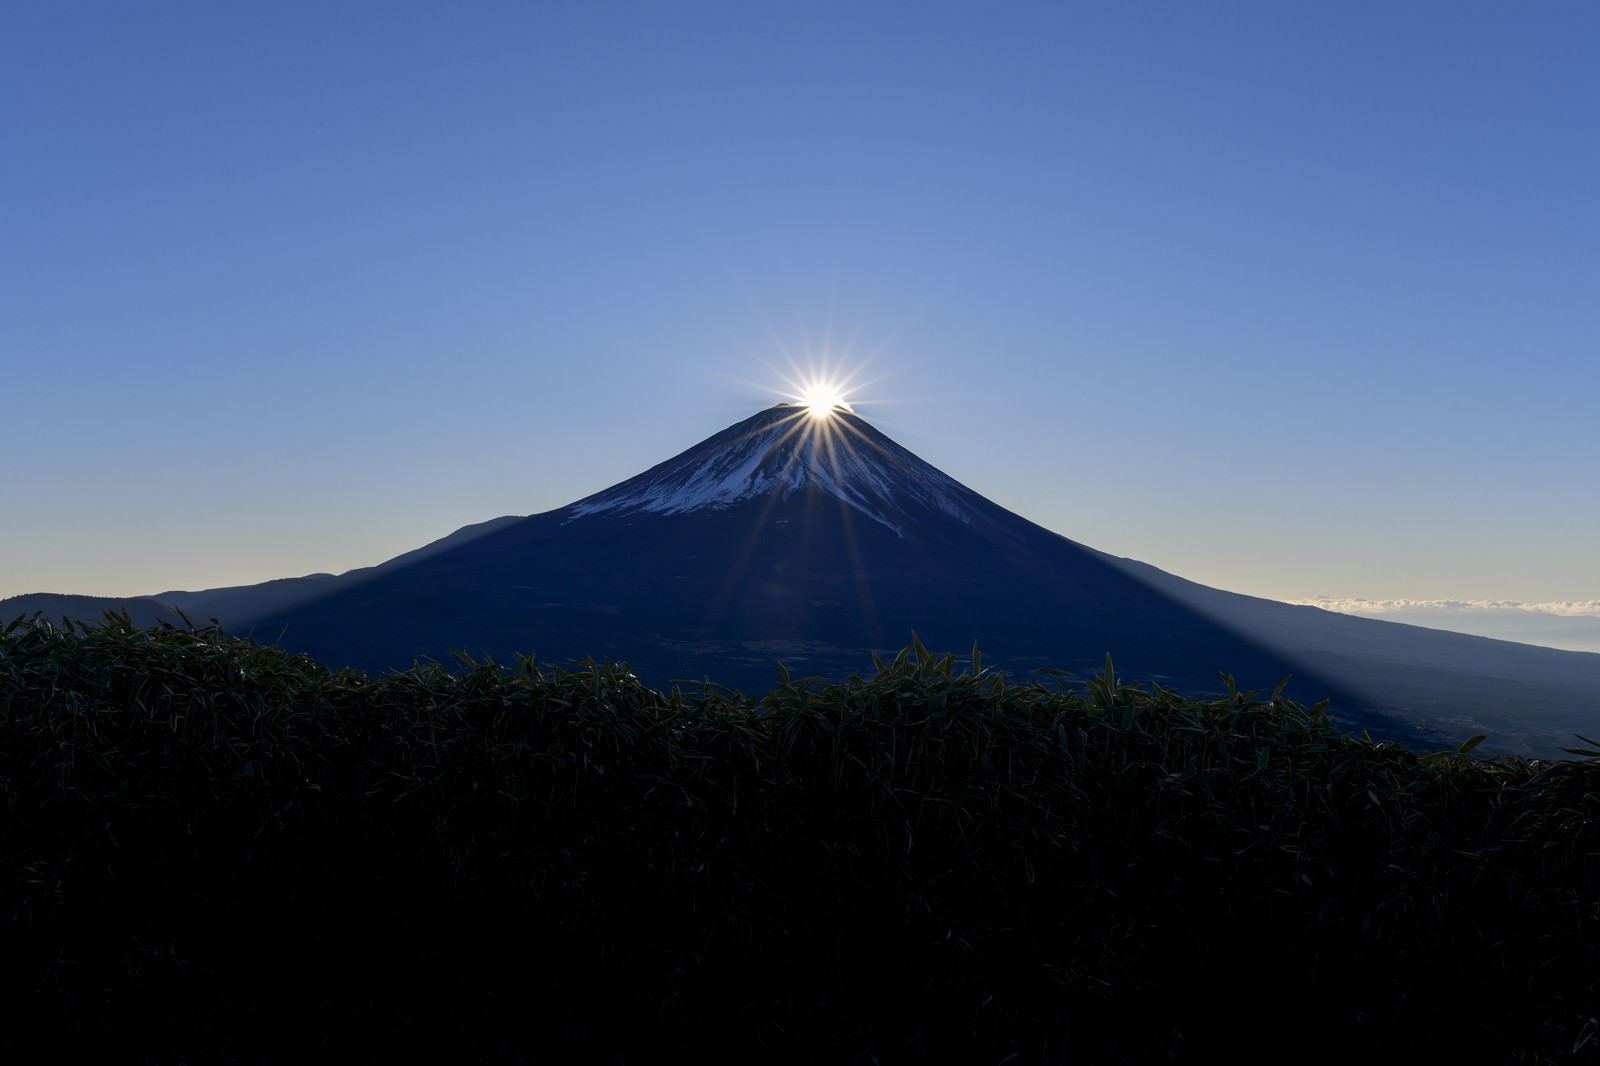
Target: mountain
786 536
815 540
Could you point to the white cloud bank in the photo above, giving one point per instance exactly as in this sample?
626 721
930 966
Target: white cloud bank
1572 625
1358 605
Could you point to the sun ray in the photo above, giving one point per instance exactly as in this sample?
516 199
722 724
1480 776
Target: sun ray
816 432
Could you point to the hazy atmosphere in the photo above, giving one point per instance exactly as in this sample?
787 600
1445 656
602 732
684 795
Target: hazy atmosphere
1293 300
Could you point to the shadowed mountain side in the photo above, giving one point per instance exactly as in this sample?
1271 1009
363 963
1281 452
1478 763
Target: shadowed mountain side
1526 698
249 601
725 593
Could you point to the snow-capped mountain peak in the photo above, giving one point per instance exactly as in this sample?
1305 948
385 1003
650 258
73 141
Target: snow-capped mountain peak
783 450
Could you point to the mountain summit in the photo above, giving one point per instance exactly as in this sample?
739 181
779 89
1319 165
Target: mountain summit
787 449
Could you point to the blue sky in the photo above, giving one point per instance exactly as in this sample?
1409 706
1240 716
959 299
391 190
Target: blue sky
1292 299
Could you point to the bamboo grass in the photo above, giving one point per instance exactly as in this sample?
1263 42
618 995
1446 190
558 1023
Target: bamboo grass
214 848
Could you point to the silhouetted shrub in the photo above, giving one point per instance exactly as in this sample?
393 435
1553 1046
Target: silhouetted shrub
212 849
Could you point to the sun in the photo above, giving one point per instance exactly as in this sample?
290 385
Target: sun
820 398
819 385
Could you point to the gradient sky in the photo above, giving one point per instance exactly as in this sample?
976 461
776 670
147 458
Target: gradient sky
1291 299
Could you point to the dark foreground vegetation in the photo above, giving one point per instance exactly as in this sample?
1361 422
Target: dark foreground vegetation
215 852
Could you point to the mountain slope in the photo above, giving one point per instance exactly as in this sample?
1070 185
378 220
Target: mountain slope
241 603
1528 699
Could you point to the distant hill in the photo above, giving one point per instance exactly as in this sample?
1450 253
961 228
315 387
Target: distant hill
235 605
142 610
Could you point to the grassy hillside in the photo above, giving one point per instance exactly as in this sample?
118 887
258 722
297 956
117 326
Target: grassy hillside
213 851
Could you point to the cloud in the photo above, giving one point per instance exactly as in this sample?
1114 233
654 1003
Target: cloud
1361 605
1571 625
